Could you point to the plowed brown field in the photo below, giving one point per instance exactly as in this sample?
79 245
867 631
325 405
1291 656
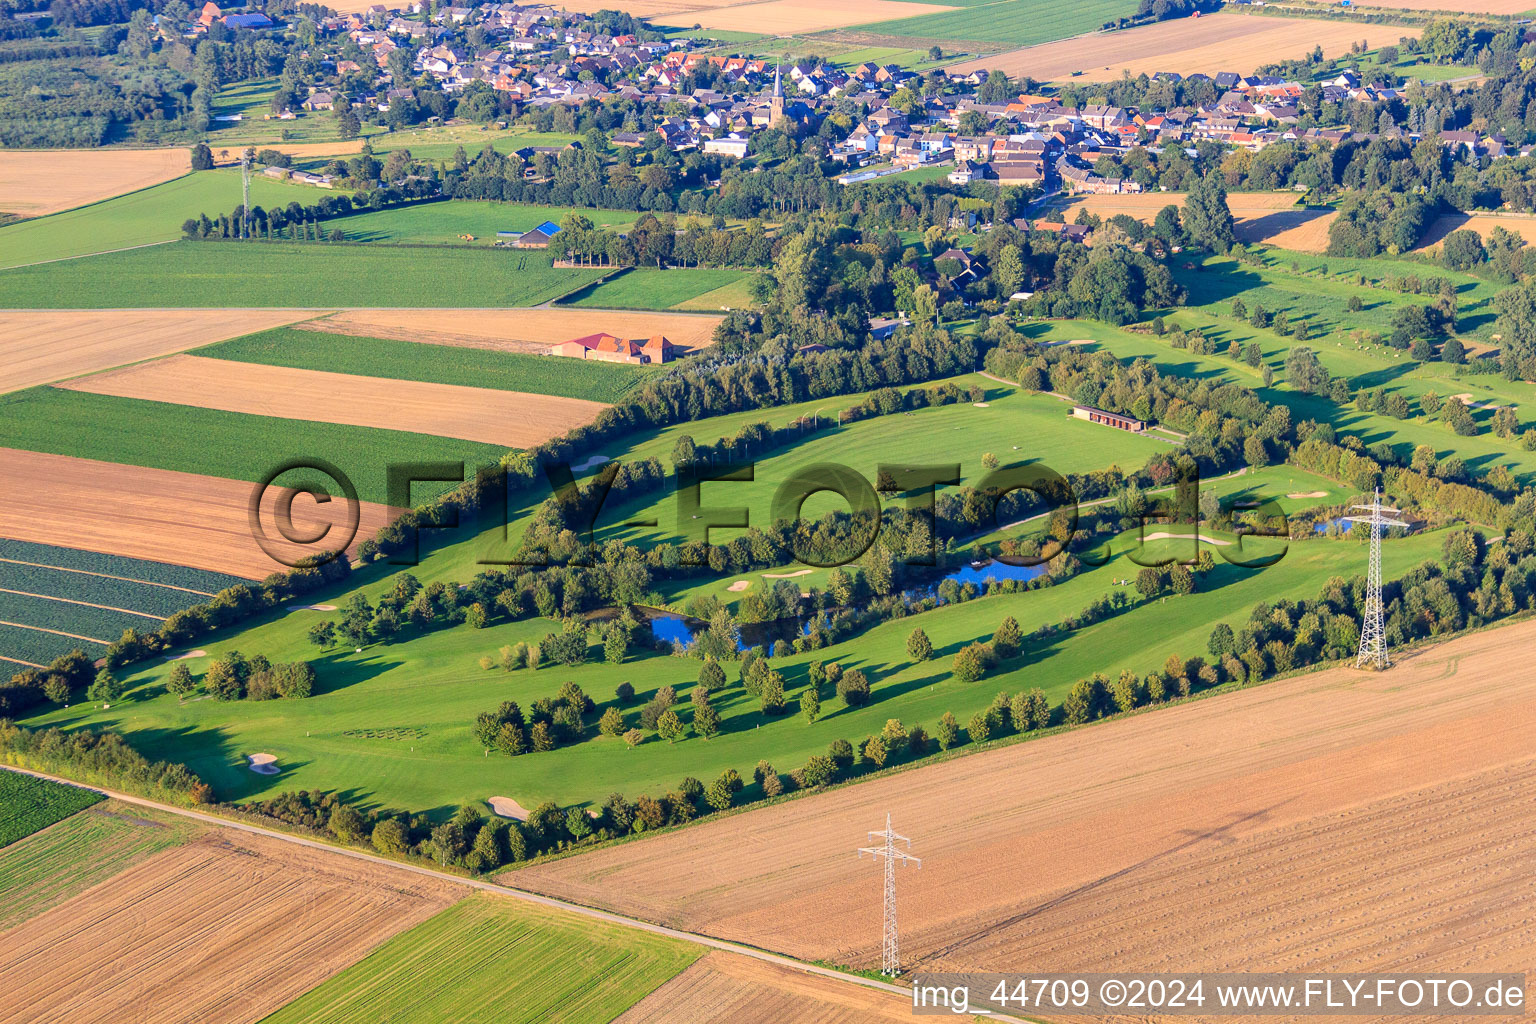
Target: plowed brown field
38 182
40 346
517 330
156 514
226 928
1343 820
513 418
723 988
1240 43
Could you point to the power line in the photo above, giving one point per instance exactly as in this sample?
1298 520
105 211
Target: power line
1373 639
889 960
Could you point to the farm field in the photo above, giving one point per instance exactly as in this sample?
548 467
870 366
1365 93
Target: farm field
722 988
29 805
482 368
34 183
737 295
1269 217
315 275
47 868
140 218
1482 223
229 926
213 442
155 515
1224 41
657 289
519 330
786 17
42 346
513 419
442 223
1337 820
1011 22
544 965
1506 7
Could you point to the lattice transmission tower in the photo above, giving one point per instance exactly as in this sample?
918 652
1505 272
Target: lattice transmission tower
889 959
245 194
1373 638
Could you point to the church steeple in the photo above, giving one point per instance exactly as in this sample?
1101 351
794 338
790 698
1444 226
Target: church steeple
776 104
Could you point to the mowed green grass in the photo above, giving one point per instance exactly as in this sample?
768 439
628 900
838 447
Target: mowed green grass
736 295
658 289
431 684
139 218
439 364
442 223
47 868
237 446
494 958
314 275
29 805
1015 22
1015 426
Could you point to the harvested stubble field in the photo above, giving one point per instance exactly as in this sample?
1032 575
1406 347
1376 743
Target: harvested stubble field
228 927
723 988
45 869
512 418
517 330
1457 6
42 346
1218 42
786 17
1269 217
1339 821
38 182
1482 223
154 514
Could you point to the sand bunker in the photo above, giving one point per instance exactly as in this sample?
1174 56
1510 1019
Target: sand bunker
506 807
1162 535
787 575
982 405
739 586
184 657
1307 494
264 764
312 608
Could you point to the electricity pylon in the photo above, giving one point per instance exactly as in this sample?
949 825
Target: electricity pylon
245 195
1373 639
889 961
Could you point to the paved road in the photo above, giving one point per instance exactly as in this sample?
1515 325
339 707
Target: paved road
496 887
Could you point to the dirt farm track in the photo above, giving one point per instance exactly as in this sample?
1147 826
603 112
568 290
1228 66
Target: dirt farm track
1339 821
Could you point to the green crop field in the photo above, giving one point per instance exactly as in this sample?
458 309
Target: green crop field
314 275
533 964
440 364
36 647
1014 22
29 805
45 869
43 613
657 289
442 223
237 446
199 581
139 218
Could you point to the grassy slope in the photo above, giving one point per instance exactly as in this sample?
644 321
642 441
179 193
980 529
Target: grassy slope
313 275
29 805
441 364
443 223
532 963
151 215
238 446
48 868
657 289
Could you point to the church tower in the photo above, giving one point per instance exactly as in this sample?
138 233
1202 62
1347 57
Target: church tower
776 105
